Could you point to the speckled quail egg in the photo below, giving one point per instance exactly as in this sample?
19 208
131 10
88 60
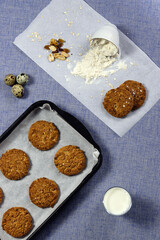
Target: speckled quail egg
9 79
22 78
18 90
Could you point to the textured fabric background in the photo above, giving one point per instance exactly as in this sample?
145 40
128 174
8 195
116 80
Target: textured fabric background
132 162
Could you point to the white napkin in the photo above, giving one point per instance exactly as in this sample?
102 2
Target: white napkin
75 21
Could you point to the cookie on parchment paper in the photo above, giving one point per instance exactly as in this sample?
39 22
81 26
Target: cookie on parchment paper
1 195
118 102
43 135
70 160
137 90
14 164
17 222
44 192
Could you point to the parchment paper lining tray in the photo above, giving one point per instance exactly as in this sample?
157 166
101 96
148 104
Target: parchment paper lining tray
42 165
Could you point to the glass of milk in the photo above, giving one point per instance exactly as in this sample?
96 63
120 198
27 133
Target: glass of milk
117 201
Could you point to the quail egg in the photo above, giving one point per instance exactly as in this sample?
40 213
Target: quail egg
18 90
22 78
10 79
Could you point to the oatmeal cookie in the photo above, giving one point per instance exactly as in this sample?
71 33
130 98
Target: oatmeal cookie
137 90
44 192
14 164
118 102
1 195
43 135
70 160
17 222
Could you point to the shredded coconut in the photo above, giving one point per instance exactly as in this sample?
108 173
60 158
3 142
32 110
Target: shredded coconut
101 55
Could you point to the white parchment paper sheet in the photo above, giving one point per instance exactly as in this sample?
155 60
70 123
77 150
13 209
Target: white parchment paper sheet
42 165
73 21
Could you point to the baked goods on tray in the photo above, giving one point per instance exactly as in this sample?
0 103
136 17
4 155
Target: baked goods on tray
44 192
43 135
14 164
70 160
17 222
1 195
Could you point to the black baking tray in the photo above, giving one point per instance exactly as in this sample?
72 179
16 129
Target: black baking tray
77 125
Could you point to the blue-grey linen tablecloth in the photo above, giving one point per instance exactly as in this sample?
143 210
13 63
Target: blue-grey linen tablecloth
132 161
